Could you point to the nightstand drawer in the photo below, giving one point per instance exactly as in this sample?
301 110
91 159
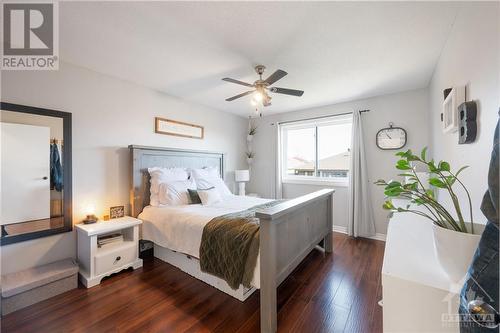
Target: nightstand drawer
114 256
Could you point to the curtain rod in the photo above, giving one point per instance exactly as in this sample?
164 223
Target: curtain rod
320 117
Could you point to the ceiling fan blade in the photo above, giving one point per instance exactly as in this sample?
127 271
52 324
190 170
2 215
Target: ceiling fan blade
237 82
238 96
275 76
285 91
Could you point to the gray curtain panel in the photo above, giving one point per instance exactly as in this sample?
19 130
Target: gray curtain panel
361 222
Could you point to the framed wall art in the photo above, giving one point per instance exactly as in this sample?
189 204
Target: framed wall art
116 212
178 128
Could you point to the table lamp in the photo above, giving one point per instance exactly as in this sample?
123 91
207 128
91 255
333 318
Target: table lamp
241 176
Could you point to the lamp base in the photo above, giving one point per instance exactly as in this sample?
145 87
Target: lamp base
241 188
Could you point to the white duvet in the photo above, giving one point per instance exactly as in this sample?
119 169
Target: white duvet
180 228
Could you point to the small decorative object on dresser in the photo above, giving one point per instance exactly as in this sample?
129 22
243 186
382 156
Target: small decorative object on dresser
90 215
106 248
116 212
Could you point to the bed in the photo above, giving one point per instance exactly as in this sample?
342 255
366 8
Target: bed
288 231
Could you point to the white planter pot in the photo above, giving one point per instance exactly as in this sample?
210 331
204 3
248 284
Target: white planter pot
249 138
454 250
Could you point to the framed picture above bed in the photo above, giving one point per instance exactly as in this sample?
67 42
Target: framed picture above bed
178 128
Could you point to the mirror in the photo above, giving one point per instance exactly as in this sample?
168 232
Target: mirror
35 172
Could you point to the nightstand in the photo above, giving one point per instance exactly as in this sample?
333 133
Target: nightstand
98 262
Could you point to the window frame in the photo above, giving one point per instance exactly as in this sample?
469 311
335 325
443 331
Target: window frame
316 124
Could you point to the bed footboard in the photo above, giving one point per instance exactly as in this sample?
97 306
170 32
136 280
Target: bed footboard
288 232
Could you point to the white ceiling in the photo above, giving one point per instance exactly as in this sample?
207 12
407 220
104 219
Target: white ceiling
334 51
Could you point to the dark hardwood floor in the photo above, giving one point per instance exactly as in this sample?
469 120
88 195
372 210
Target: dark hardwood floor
327 293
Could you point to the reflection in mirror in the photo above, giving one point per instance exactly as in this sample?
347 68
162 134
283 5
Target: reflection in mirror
32 186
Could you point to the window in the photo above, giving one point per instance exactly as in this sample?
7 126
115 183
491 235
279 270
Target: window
316 150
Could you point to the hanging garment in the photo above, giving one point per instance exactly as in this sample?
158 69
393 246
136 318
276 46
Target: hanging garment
482 277
56 172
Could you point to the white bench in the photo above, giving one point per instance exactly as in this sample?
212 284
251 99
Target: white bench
30 286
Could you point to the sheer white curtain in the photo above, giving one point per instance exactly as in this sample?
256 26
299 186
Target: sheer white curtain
361 221
278 191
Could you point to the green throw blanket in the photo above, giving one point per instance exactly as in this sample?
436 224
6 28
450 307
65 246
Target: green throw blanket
230 246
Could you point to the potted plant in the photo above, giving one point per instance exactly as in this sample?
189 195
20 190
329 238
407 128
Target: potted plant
250 155
455 239
251 132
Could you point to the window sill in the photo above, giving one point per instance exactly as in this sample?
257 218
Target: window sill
318 182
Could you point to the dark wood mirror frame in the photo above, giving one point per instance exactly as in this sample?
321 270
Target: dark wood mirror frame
67 158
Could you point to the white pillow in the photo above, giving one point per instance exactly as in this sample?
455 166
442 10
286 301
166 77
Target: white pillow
175 193
209 197
209 177
161 175
210 172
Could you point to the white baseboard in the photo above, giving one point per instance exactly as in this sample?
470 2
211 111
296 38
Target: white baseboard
343 230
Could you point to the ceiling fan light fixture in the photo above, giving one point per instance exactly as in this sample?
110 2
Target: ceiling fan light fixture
262 87
258 96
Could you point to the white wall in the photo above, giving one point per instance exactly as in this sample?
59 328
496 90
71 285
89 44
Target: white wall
108 115
407 110
471 57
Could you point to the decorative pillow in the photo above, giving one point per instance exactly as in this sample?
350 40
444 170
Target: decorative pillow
175 193
161 175
193 195
209 177
209 197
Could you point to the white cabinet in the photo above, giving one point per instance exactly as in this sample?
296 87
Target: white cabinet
98 262
417 294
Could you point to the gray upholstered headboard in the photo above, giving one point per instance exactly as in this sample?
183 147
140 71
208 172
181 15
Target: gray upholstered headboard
142 158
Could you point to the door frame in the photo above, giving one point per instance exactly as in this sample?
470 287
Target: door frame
67 175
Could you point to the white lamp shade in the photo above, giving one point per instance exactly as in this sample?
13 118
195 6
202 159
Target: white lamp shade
241 175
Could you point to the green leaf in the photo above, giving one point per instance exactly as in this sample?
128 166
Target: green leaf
393 183
437 182
403 165
422 154
380 182
410 186
461 169
388 205
450 180
406 175
418 201
444 166
413 158
393 192
430 193
432 166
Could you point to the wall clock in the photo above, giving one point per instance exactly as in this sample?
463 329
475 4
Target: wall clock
391 137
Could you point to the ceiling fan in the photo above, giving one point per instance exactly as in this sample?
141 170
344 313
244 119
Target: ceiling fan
262 87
